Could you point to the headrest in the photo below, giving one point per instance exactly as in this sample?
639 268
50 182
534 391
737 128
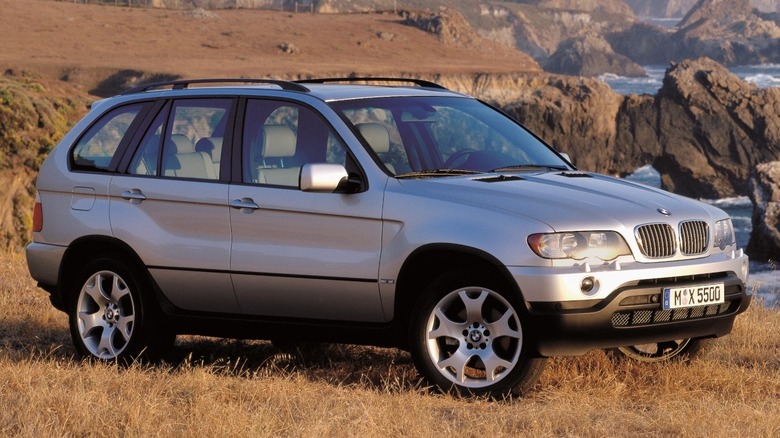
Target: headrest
212 146
279 141
376 135
180 144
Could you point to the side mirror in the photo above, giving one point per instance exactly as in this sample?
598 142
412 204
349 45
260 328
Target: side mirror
323 177
566 157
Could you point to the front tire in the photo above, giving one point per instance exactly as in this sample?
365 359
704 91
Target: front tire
467 337
110 318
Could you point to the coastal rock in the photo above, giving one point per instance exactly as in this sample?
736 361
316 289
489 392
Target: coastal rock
765 195
452 29
714 129
704 131
590 56
447 24
728 31
643 43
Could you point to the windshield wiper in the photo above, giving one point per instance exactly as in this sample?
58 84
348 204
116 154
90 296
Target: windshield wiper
530 167
437 172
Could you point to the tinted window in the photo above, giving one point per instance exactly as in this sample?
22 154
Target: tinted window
431 133
185 140
95 150
280 137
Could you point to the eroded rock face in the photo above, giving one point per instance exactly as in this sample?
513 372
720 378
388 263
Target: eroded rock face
765 195
714 128
590 56
728 31
704 131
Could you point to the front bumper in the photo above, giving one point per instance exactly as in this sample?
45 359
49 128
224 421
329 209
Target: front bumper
630 313
613 323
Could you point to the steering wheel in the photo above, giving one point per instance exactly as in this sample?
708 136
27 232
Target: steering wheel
458 156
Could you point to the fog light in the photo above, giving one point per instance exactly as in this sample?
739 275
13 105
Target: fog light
587 284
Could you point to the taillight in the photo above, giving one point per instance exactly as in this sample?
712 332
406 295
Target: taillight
38 217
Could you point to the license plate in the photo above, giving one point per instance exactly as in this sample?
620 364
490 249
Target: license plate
692 296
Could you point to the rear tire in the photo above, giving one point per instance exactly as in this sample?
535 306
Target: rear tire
111 315
467 337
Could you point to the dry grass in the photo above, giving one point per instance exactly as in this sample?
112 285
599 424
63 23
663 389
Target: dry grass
215 388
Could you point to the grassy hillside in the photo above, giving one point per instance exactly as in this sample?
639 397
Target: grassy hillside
34 115
229 388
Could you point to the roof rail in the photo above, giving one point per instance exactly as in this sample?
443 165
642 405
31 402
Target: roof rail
419 82
185 83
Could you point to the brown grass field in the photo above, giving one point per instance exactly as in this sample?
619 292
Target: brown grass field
213 387
87 43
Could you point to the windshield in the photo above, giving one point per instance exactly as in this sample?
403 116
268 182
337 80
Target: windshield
445 135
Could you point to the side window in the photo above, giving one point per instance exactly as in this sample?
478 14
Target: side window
280 137
185 140
96 149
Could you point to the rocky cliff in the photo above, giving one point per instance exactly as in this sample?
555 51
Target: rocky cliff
705 130
765 195
591 56
731 32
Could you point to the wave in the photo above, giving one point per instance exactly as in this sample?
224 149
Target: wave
763 80
736 202
762 75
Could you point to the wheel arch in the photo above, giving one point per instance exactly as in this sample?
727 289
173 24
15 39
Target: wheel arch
429 262
81 251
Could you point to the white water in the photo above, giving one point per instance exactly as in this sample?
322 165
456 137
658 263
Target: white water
763 76
764 278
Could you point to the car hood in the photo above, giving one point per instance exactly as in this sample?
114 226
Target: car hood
567 201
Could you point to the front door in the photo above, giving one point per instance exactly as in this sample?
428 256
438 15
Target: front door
300 254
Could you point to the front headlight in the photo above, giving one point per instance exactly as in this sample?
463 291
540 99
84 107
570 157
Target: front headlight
605 245
724 234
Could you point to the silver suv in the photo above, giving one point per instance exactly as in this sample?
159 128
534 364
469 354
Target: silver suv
407 216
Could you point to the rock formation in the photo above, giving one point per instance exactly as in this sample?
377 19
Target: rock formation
452 29
728 31
590 56
704 131
764 242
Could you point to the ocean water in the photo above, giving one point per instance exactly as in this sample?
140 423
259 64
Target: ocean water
764 280
766 75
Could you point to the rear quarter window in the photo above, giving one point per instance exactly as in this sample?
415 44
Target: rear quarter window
97 148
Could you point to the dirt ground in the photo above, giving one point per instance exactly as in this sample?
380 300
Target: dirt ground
87 43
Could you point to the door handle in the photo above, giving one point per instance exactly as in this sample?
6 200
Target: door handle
246 205
135 196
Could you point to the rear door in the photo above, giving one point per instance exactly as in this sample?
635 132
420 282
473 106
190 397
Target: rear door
170 205
300 254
